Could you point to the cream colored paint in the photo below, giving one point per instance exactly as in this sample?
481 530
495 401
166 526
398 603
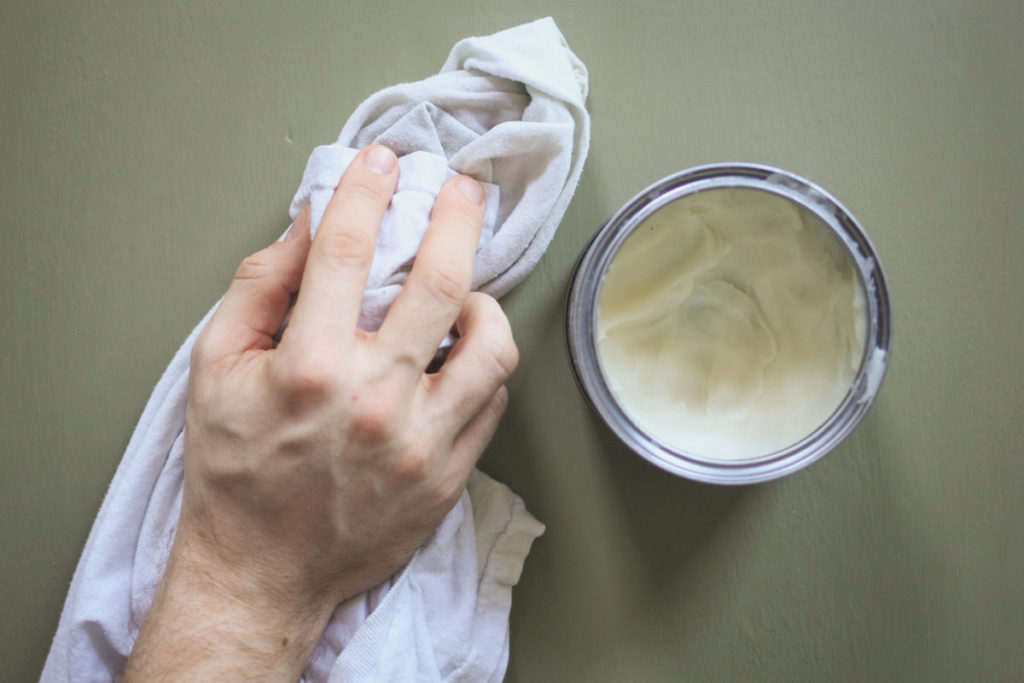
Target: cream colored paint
731 324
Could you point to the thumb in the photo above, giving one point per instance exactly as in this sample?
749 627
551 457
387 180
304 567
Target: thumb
258 298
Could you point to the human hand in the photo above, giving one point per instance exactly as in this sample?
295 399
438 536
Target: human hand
316 466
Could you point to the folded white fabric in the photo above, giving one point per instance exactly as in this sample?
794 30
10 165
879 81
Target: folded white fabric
507 109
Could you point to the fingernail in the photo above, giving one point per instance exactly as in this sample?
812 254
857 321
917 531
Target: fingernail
471 190
380 160
299 226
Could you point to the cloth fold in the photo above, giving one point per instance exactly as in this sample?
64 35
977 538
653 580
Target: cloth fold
509 110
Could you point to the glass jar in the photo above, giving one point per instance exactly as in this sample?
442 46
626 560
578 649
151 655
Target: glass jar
582 320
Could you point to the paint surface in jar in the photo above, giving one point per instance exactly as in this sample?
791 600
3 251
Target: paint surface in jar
731 324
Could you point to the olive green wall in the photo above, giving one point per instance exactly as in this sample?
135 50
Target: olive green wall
147 147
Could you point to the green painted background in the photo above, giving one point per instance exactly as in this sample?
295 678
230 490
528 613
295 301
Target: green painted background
146 148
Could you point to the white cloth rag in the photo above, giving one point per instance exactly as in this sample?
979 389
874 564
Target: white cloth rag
509 110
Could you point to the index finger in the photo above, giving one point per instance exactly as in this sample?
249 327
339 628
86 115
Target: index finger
339 260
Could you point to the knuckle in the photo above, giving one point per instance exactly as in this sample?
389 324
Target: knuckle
369 427
262 262
201 393
446 492
348 246
511 358
374 420
201 352
306 378
369 194
446 285
253 266
412 466
500 401
501 349
406 359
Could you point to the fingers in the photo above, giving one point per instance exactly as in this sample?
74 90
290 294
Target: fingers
474 437
251 311
339 261
480 363
441 276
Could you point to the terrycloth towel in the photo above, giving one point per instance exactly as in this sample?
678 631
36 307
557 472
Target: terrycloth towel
509 110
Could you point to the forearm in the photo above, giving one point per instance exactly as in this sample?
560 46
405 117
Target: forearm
198 630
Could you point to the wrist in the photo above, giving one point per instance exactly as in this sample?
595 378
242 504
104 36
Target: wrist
214 625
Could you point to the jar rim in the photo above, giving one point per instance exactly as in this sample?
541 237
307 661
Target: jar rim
588 278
